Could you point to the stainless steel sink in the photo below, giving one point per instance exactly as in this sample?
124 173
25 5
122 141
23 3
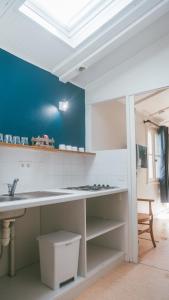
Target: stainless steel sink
5 198
30 195
39 194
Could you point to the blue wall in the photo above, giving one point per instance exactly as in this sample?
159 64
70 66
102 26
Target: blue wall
28 100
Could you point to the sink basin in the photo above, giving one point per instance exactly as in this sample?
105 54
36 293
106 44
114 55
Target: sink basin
5 198
39 194
30 195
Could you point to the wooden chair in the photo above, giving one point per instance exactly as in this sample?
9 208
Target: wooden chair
146 219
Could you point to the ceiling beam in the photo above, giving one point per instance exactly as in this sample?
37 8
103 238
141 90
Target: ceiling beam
164 122
159 111
150 96
69 69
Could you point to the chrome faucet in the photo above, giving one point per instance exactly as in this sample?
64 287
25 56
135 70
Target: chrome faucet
12 187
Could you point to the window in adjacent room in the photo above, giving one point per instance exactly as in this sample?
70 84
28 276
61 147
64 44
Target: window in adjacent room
153 154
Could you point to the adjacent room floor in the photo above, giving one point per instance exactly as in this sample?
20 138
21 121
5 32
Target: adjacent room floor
147 280
158 257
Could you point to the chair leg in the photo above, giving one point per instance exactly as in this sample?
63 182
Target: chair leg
152 235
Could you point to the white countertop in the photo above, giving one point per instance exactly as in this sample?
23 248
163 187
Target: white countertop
69 195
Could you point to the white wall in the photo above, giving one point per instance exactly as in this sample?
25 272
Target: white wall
39 169
108 167
141 130
148 70
108 126
145 189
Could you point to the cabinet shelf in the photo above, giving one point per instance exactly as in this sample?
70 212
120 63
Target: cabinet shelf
97 226
99 257
43 148
28 279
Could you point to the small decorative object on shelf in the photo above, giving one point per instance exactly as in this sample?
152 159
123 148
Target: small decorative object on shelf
43 141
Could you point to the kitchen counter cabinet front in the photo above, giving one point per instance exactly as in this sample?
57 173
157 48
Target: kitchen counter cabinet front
103 224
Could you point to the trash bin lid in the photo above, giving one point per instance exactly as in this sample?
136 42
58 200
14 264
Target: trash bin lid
59 237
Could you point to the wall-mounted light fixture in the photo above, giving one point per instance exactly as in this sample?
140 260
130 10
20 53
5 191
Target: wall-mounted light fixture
63 105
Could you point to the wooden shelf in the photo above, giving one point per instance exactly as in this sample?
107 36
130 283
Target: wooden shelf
41 148
99 257
98 226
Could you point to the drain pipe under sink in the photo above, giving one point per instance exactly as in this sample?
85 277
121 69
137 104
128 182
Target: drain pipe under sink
12 269
8 239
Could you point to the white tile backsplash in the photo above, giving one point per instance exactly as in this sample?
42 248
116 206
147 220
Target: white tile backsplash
39 169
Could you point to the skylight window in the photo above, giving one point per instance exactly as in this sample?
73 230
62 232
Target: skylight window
63 11
72 20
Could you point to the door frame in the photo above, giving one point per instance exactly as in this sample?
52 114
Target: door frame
132 182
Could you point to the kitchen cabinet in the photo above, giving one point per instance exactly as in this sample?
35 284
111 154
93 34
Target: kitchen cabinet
103 224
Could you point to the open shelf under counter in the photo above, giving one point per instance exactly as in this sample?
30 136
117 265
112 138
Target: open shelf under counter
97 226
99 257
43 148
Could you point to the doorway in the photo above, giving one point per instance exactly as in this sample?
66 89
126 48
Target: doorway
152 114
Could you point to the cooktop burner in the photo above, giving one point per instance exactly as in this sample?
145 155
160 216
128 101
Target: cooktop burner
95 187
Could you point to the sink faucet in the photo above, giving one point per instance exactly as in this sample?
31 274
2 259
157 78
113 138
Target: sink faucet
12 187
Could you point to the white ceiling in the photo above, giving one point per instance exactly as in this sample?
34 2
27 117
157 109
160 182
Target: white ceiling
154 106
142 23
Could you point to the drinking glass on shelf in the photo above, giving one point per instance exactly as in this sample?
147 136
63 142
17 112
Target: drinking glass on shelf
16 140
62 146
8 138
24 140
1 137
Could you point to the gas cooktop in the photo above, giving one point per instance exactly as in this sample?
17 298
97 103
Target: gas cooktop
95 187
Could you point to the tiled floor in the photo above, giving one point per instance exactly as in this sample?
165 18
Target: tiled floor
130 282
148 280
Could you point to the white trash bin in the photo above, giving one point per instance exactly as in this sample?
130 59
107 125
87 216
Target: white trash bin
59 255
